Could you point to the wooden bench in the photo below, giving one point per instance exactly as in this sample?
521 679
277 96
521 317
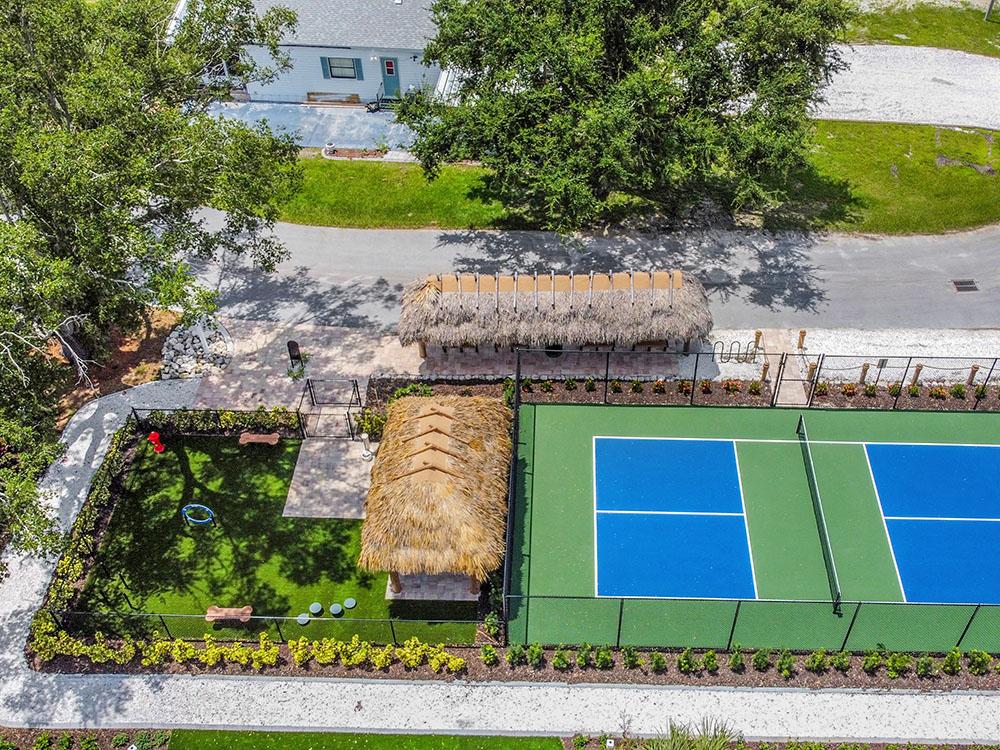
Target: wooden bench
270 438
216 613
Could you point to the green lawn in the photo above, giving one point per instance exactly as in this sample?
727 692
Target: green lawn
926 25
183 739
377 194
863 177
895 179
151 561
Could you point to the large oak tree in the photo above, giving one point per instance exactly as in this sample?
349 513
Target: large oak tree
108 152
574 104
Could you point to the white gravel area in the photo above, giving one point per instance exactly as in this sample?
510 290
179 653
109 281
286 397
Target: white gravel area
29 698
946 354
891 83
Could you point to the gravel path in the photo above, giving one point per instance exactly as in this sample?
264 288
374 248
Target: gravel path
892 83
29 698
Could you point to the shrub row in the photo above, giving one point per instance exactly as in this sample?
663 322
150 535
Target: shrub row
871 390
660 386
277 419
687 662
158 651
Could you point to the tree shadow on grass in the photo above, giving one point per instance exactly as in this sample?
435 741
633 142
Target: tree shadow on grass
815 202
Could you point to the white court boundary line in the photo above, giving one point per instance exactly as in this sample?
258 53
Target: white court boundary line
885 525
940 518
743 515
795 442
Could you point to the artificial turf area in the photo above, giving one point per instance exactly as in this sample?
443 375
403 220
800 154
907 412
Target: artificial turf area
183 739
559 538
151 562
929 25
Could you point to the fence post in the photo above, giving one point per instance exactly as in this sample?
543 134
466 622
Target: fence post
967 626
850 627
607 374
902 383
165 628
694 376
55 620
986 385
621 612
815 380
778 378
732 628
392 632
277 624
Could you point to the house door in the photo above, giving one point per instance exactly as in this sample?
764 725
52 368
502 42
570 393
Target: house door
390 76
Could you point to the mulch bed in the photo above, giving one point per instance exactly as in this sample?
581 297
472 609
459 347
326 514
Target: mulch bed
476 671
105 738
922 402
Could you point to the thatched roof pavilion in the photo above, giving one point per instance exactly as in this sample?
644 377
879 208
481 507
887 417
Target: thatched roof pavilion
438 498
539 310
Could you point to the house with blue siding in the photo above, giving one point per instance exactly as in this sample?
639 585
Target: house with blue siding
351 51
347 51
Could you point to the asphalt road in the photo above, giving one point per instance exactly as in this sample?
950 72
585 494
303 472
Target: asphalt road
353 277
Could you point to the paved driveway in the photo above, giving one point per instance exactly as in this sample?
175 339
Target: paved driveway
884 83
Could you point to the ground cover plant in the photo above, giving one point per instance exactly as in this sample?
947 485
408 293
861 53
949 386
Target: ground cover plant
929 25
869 177
150 561
183 739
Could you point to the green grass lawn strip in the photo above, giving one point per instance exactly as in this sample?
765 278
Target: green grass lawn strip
185 739
928 25
863 177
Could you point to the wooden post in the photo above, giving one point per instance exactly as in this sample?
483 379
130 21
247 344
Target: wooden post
916 374
474 585
864 373
972 375
812 372
763 371
757 336
394 585
802 338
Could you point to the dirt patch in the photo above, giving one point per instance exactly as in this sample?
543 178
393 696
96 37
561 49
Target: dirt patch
133 359
87 739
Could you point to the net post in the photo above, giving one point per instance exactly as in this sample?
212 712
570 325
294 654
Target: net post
621 613
694 376
850 627
607 374
967 626
986 385
732 628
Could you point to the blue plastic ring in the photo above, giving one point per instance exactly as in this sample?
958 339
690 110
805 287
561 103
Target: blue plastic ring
187 510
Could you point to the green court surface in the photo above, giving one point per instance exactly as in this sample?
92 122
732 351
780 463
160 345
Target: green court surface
554 552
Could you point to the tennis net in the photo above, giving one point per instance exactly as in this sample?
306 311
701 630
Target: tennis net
817 501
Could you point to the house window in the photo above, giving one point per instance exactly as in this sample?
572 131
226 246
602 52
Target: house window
390 67
341 67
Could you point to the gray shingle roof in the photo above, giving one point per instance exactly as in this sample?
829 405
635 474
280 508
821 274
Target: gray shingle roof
359 23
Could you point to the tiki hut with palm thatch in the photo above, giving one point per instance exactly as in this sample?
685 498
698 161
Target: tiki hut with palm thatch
438 497
619 310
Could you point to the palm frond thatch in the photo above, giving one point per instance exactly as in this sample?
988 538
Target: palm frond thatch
537 310
438 498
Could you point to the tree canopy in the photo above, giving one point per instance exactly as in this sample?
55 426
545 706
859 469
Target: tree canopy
575 106
108 153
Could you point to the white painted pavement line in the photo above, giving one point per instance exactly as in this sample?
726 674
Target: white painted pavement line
796 441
